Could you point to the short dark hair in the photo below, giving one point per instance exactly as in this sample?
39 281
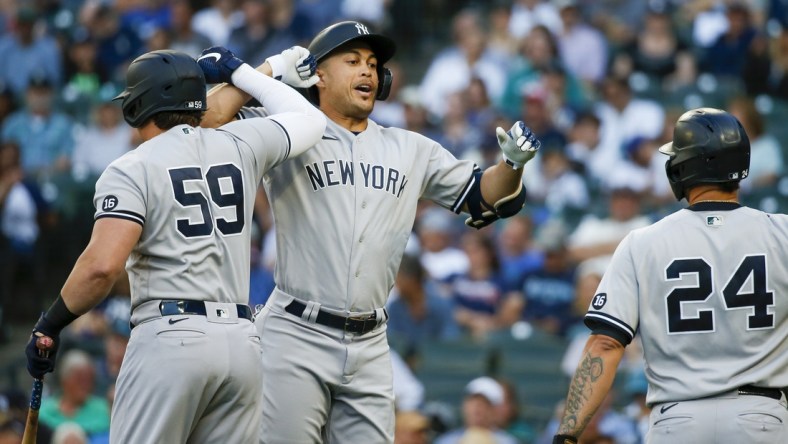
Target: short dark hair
170 119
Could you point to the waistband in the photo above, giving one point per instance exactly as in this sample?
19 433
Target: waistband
354 322
760 391
172 307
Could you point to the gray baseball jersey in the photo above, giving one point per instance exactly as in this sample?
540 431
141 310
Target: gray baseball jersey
191 190
343 212
705 288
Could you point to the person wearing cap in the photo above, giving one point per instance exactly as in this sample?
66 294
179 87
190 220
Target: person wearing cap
344 214
411 427
483 396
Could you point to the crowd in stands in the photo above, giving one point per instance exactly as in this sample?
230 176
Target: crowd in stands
600 82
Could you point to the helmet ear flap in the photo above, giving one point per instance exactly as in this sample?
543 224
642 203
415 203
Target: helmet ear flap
385 77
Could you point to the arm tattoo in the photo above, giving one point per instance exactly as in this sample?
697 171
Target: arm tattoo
580 391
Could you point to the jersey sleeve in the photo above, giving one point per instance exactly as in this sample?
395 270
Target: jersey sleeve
614 307
121 191
267 140
448 180
249 112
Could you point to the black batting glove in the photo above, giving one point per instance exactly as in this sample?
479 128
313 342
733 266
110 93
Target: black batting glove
218 64
40 362
564 439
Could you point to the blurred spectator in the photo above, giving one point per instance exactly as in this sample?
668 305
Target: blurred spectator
182 37
411 427
21 209
290 20
26 54
555 184
408 390
218 20
372 12
499 38
320 13
117 313
643 170
479 113
103 140
538 55
596 236
527 14
44 135
517 252
69 433
507 415
727 55
619 20
418 313
482 303
146 16
767 66
658 53
84 76
625 117
11 431
257 38
453 68
436 233
117 44
708 20
547 293
457 134
76 402
483 395
583 48
8 102
766 156
584 149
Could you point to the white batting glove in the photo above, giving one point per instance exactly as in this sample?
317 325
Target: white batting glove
294 66
519 144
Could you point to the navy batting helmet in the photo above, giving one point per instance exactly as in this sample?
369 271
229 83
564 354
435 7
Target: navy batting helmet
159 81
709 146
331 38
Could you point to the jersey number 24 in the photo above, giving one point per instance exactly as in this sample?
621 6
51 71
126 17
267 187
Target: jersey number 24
758 300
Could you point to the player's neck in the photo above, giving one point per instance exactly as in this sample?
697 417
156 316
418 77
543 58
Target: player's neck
352 124
149 130
710 193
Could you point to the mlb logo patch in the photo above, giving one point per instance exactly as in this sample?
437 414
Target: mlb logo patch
222 313
714 221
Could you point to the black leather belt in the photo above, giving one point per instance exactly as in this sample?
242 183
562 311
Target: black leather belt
351 324
761 391
174 308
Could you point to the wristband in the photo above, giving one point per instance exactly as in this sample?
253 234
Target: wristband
56 318
564 439
513 164
277 63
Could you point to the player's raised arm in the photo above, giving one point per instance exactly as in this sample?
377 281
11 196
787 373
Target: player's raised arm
303 123
500 192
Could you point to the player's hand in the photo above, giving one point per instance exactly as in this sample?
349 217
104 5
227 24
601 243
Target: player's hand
218 64
519 144
41 350
294 66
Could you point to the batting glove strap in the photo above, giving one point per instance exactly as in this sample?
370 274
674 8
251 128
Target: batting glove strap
218 64
564 439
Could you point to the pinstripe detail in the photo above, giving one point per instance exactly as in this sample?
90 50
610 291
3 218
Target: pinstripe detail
287 156
457 207
128 215
613 322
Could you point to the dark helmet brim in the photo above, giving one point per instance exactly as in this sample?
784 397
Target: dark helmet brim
667 149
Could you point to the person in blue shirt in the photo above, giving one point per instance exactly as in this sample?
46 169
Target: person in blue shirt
418 313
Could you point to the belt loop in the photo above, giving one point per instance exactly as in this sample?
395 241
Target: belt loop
310 312
381 315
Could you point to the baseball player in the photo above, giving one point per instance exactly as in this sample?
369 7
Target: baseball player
343 212
177 212
702 287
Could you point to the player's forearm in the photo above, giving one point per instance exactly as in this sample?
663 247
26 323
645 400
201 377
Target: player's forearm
591 383
224 102
275 96
499 181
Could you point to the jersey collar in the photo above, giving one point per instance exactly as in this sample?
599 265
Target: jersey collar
714 206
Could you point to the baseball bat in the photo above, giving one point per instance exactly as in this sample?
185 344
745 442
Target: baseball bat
31 425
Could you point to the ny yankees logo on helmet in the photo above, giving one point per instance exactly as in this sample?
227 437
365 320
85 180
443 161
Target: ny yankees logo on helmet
361 29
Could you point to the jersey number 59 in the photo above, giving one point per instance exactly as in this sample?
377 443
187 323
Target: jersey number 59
230 198
757 301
